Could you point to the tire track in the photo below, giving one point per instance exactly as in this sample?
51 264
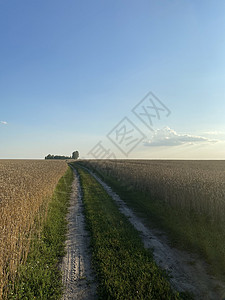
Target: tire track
78 277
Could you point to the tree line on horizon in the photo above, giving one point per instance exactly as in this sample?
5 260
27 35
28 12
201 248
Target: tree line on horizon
75 155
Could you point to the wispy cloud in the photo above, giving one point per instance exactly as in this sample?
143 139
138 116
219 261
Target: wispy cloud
214 132
169 137
3 122
220 135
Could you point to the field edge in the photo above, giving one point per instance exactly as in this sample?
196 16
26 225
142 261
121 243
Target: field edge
40 277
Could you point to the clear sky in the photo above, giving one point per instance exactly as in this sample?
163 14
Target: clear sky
70 71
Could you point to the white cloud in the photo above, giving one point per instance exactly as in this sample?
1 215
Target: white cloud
220 135
3 122
214 132
169 137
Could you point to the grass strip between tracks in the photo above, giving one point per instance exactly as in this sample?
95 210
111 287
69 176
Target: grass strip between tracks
40 277
125 269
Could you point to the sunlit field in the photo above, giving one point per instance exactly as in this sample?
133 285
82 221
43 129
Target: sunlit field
25 189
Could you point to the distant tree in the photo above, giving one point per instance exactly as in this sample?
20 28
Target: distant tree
49 156
75 155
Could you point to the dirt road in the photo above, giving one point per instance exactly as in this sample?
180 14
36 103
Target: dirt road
78 276
188 271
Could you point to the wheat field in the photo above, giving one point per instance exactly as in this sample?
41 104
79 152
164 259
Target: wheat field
190 185
184 198
25 188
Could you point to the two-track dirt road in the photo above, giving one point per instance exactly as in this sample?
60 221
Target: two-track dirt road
188 272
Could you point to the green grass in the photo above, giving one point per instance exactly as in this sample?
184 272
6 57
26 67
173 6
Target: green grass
125 269
187 230
40 277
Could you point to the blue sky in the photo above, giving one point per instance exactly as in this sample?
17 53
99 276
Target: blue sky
70 71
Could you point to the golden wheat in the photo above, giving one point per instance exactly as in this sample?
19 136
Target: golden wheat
25 188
